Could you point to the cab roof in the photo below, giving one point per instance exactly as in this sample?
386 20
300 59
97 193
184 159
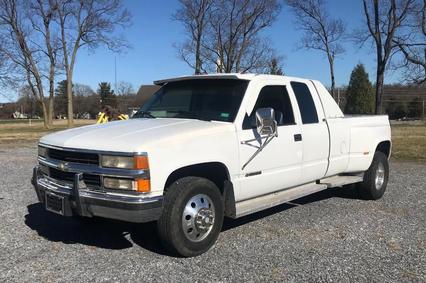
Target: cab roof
229 76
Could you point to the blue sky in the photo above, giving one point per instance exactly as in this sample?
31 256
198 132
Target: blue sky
153 56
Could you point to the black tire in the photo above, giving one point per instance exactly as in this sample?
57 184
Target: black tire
369 188
170 225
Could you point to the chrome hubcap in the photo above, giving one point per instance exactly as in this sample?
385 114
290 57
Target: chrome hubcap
198 218
380 176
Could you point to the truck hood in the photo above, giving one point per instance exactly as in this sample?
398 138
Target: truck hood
134 135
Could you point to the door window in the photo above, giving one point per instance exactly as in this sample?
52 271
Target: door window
275 97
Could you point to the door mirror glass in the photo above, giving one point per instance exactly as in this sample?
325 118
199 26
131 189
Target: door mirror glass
265 122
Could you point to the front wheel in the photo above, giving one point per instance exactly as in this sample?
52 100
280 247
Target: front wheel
375 178
192 216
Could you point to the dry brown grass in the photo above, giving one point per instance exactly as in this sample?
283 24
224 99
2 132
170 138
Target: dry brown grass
409 142
23 131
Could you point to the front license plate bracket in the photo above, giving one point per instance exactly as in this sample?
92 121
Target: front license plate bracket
54 203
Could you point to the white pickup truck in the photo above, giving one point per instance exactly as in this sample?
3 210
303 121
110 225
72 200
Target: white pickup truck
204 147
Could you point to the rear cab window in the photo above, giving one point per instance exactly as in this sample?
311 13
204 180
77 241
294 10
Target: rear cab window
308 110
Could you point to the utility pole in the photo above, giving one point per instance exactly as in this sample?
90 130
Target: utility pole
115 73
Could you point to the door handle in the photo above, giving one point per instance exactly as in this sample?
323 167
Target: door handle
297 137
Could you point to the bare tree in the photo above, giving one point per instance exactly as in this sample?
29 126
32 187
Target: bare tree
235 44
41 15
412 45
193 14
28 102
21 48
230 39
88 23
6 69
82 90
384 20
320 31
3 66
124 88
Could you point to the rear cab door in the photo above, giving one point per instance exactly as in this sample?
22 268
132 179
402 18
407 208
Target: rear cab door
278 165
314 129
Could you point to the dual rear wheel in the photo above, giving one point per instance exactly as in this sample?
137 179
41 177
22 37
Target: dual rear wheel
376 178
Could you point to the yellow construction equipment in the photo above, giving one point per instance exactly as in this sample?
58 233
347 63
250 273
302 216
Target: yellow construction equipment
109 114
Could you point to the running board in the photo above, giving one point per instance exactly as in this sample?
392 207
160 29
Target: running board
253 205
339 181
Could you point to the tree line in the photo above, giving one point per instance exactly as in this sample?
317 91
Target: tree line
86 102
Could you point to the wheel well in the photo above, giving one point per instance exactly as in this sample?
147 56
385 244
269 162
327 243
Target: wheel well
384 147
213 171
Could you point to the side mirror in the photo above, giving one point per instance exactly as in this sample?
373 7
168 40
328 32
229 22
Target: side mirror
265 122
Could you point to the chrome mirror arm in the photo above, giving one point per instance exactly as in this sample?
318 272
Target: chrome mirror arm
260 148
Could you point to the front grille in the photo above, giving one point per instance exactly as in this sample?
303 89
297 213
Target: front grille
72 156
89 179
61 175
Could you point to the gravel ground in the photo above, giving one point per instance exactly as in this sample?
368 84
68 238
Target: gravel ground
329 236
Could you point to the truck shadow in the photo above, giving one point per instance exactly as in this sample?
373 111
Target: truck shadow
116 235
93 232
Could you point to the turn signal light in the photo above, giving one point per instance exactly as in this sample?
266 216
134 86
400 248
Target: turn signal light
143 185
141 162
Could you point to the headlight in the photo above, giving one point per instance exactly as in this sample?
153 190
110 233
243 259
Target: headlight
120 184
123 162
42 151
141 185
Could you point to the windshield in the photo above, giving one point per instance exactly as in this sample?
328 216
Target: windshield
203 99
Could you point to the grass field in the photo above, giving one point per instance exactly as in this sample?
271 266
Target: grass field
409 142
18 131
409 139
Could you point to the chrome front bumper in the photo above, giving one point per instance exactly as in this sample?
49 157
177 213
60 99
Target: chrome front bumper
78 200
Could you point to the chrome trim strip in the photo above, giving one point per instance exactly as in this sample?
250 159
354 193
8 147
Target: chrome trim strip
48 183
93 169
106 152
118 198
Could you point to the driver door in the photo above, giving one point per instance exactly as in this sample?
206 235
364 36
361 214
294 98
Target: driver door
279 164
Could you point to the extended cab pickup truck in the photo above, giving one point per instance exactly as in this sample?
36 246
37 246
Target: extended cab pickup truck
204 147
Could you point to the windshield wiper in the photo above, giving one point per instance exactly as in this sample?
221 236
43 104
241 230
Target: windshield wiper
188 115
144 114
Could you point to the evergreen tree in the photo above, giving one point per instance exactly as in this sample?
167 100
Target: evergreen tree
274 67
61 98
61 89
107 95
360 94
